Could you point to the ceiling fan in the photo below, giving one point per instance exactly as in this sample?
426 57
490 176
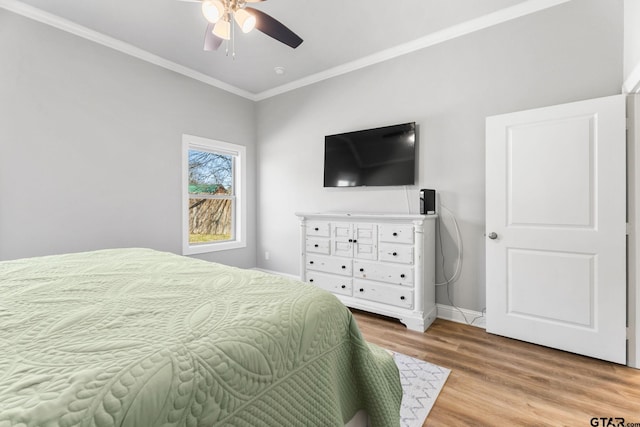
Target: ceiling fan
220 15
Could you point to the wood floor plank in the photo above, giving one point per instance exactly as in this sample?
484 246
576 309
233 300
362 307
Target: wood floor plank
497 381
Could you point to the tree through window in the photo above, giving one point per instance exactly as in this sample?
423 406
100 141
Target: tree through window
212 192
210 196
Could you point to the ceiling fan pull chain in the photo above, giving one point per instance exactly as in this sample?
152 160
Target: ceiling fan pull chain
230 39
233 37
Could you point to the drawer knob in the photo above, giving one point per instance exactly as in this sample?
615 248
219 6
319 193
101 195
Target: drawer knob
361 290
402 297
315 246
344 266
395 234
402 276
355 241
310 262
362 269
350 240
316 229
343 286
395 254
310 280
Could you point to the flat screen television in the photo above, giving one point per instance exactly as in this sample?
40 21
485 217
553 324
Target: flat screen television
373 157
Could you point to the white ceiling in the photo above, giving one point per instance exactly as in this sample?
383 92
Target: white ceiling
339 35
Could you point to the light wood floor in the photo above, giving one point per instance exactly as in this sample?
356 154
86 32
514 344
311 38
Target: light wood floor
497 381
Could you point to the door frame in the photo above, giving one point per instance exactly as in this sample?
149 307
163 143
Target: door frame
633 237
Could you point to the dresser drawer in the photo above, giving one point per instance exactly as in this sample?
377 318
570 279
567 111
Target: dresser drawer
365 251
342 248
400 296
342 231
332 265
318 245
334 284
396 233
319 228
365 233
394 252
396 274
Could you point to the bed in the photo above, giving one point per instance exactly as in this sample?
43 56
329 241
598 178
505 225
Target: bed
137 337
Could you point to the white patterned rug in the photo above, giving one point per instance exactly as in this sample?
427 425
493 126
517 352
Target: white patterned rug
421 384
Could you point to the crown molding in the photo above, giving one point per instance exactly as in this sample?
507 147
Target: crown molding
97 37
455 31
459 30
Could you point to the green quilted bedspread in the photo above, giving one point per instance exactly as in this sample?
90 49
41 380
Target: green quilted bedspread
135 337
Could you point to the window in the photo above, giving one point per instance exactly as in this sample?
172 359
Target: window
213 202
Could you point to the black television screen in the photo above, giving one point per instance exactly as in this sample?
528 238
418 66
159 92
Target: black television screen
372 157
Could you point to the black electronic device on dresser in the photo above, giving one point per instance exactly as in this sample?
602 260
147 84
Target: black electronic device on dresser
427 202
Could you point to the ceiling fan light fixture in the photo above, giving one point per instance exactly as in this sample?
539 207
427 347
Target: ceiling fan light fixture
245 20
212 10
222 29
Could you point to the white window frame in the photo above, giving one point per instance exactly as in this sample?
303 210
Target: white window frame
191 142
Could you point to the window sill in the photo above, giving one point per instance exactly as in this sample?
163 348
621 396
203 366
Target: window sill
212 247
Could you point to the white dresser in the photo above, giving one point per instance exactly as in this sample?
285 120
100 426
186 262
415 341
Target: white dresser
382 263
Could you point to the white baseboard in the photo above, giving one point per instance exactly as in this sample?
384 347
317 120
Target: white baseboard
277 273
473 318
446 312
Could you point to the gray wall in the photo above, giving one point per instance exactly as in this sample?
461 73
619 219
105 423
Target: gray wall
90 145
90 138
566 53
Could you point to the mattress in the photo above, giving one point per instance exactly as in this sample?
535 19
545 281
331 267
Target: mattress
136 337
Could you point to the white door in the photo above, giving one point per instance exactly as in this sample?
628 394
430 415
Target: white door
556 227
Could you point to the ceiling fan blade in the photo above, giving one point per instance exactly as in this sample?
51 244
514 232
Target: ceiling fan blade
211 41
274 28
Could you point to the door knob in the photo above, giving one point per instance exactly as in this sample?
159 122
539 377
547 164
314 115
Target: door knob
492 235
